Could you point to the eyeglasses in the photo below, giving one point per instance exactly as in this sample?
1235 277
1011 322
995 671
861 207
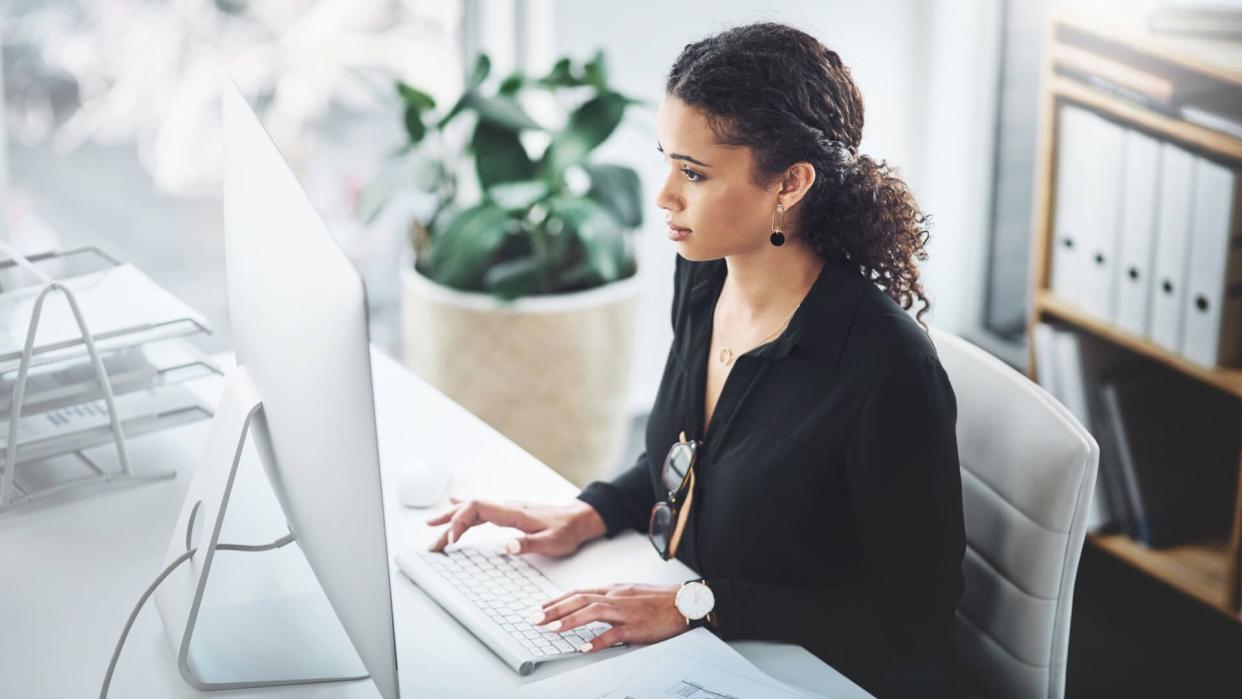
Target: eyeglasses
668 517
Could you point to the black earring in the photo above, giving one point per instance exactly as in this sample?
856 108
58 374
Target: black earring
778 220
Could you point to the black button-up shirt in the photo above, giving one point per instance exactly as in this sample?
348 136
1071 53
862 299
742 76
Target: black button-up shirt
828 506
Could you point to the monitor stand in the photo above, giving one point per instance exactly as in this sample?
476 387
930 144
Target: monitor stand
264 620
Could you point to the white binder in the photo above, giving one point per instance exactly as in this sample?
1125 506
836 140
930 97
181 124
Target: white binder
1072 193
1072 382
1177 172
1138 226
1213 326
1102 172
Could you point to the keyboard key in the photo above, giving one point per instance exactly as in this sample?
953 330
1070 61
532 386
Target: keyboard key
508 590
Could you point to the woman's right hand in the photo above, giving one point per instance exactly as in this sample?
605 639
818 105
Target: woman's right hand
552 530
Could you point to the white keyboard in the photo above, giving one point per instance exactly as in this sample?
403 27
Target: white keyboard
493 595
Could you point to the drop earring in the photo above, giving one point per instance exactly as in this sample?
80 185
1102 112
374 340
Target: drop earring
778 220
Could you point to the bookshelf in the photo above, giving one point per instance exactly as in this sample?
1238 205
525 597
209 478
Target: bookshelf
1206 570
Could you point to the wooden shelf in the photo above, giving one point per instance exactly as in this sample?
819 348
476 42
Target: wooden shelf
1219 60
1200 72
1200 570
1225 379
1221 144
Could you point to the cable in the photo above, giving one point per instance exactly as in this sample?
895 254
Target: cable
116 653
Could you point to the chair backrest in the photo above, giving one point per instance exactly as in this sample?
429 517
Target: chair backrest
1028 473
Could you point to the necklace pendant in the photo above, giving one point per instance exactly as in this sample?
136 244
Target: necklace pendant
726 355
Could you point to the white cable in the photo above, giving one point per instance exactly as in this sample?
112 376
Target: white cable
116 653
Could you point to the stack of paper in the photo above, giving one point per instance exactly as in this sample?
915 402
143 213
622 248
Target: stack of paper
694 664
121 305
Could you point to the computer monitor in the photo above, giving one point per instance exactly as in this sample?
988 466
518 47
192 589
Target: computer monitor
303 389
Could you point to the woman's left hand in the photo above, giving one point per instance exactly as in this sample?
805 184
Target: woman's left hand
637 613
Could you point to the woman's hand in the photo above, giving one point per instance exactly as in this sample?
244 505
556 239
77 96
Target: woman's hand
553 530
638 613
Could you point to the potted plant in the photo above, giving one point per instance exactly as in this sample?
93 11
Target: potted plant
519 291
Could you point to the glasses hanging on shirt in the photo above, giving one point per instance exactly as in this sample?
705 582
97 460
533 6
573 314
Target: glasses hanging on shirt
668 517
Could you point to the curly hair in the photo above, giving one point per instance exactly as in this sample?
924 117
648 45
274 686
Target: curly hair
781 93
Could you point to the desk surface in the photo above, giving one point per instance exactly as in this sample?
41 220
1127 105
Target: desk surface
72 567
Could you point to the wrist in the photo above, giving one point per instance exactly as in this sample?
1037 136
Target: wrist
587 522
696 602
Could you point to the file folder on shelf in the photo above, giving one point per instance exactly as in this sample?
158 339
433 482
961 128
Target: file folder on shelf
1212 334
1088 209
1102 173
1069 264
1168 300
1138 225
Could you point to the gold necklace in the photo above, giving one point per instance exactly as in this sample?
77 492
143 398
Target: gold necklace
726 355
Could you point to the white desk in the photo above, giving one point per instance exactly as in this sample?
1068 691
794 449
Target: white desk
72 568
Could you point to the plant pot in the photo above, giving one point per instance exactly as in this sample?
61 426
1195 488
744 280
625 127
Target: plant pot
549 372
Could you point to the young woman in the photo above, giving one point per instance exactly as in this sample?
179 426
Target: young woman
801 452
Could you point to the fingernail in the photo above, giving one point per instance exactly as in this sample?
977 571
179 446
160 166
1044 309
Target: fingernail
554 626
513 546
584 648
451 537
537 617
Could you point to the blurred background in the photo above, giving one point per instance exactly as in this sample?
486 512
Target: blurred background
111 137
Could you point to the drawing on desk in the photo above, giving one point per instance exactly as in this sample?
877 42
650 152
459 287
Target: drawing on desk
690 690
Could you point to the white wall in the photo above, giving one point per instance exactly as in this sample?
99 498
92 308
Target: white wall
958 108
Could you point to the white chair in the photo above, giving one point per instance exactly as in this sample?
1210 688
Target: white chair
1028 472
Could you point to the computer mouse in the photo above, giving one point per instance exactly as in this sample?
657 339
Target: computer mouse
423 483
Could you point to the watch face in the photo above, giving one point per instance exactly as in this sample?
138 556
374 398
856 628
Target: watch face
695 600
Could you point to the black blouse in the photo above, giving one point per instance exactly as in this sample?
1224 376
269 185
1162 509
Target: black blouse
828 510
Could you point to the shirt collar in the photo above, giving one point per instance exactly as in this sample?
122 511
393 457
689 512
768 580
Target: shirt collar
819 326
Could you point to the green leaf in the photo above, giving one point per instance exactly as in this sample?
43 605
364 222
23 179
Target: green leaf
561 75
589 125
519 196
619 191
581 275
499 155
601 238
460 253
514 278
482 66
502 111
414 125
512 84
458 107
414 97
595 72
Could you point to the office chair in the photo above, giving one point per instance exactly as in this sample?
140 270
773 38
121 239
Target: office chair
1028 472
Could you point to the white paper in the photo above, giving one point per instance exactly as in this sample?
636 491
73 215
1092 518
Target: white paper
115 302
677 675
601 678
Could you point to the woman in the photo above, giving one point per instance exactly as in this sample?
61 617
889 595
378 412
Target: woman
812 470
